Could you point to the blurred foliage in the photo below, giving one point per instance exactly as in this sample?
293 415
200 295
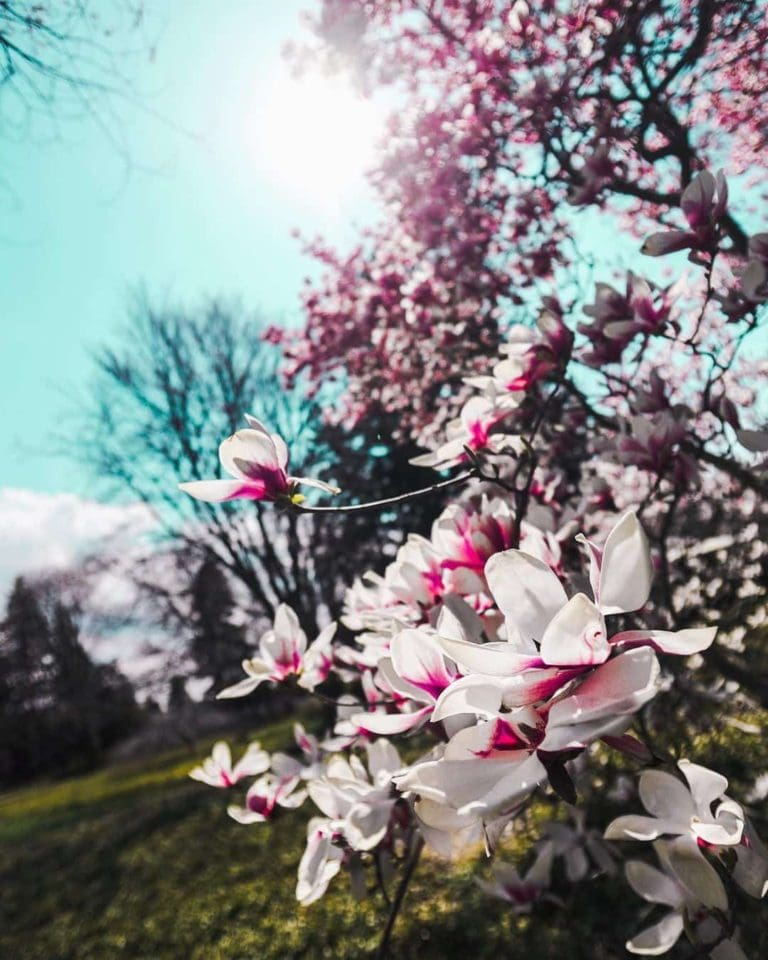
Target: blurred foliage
138 861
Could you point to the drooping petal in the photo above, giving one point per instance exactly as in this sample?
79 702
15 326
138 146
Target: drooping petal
477 790
575 635
220 491
696 873
620 686
626 570
635 827
472 695
526 590
319 484
653 885
241 689
658 939
681 643
320 862
389 724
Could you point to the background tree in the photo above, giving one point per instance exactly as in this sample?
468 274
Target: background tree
59 710
65 58
218 645
161 402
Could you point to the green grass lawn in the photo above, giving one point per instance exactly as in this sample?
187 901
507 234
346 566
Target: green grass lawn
139 861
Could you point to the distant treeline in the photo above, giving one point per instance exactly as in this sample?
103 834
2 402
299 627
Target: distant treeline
59 710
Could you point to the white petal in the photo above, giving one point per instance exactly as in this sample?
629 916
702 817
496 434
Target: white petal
665 796
388 724
418 659
706 785
653 885
617 687
696 873
493 659
458 621
241 689
526 590
659 938
473 695
626 571
634 827
681 643
575 635
247 446
219 491
319 484
513 782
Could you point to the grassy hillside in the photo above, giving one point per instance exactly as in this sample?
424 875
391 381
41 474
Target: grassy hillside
139 861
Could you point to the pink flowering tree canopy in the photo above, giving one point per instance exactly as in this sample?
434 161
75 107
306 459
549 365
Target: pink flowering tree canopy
593 597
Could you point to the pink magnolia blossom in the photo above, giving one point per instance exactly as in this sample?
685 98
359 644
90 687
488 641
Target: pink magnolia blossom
704 202
217 770
475 429
283 652
265 795
258 462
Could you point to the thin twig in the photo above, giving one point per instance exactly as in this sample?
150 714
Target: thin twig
400 893
388 501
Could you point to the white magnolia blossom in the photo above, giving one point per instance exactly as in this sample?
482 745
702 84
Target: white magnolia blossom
691 888
582 848
264 795
217 770
357 804
521 892
283 652
698 808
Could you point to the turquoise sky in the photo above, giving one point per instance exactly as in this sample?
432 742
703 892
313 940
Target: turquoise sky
195 200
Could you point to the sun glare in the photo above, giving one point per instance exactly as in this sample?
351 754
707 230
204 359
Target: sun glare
315 136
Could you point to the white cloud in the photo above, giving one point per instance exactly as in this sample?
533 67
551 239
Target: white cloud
53 531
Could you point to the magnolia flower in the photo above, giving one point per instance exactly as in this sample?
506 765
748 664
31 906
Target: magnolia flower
521 892
583 849
551 640
691 888
321 860
258 461
217 770
359 802
264 795
704 203
417 671
283 652
473 429
677 809
530 356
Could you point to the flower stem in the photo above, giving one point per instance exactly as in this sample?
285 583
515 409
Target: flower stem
400 893
389 501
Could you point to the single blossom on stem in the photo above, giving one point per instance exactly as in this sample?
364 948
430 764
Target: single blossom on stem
258 462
